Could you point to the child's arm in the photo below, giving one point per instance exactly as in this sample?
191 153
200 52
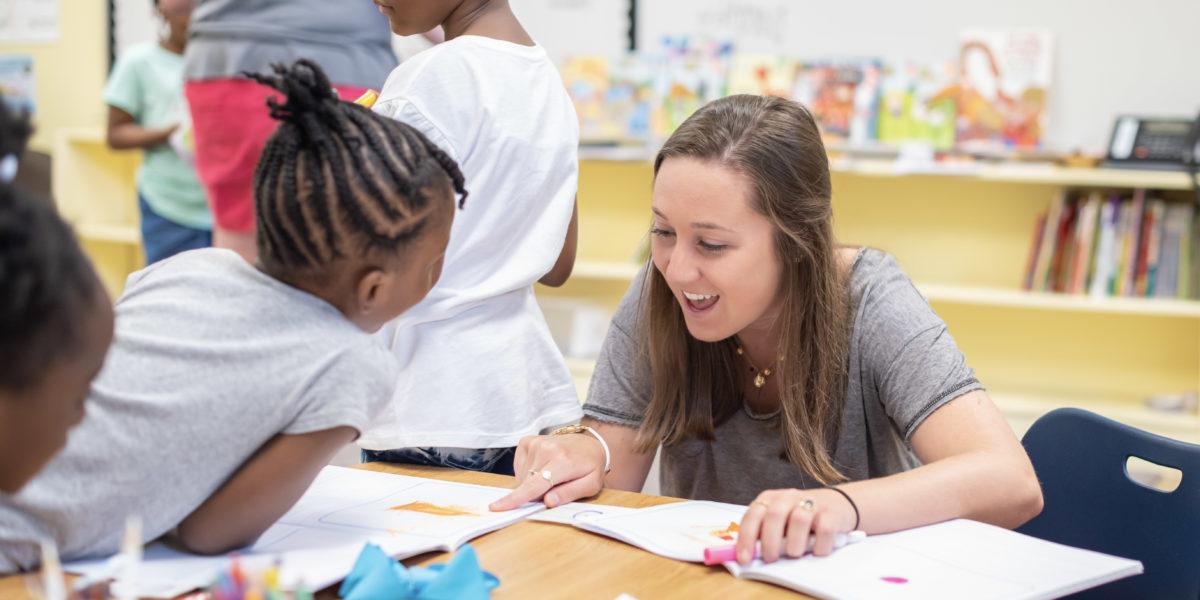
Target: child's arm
561 271
124 133
261 491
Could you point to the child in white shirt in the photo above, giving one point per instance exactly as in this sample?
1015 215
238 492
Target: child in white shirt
487 372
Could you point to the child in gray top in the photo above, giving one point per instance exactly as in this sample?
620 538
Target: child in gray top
230 385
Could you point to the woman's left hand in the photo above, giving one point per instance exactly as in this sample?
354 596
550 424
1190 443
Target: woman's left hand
784 520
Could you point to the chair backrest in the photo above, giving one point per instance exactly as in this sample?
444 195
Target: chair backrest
1091 503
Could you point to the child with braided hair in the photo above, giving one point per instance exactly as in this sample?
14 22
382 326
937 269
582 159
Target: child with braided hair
230 385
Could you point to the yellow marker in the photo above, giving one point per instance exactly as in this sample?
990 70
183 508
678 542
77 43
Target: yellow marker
367 99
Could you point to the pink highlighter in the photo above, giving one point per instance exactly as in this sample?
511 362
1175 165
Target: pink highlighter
722 554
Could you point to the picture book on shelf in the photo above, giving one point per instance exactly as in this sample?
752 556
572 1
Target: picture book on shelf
318 540
955 559
918 104
1004 83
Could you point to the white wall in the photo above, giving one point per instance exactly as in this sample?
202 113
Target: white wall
1111 55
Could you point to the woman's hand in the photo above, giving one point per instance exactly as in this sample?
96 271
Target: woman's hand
555 468
784 520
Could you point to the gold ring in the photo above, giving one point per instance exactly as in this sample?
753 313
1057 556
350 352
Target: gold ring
807 505
760 503
546 476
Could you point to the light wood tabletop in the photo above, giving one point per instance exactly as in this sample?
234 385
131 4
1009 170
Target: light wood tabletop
547 560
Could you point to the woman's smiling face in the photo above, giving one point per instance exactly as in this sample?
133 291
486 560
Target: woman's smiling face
716 253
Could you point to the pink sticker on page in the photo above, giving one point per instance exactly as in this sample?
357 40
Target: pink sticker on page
895 579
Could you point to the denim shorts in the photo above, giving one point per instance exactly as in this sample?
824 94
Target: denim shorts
487 460
163 238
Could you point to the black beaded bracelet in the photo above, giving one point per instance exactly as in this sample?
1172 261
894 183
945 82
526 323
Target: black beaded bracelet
848 499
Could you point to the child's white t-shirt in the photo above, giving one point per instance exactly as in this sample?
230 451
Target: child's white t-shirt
478 368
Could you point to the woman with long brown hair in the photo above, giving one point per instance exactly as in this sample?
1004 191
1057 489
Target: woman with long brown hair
775 367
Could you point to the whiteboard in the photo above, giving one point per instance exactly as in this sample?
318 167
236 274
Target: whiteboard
1111 55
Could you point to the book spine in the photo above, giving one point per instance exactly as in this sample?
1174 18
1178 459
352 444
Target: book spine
1049 239
1039 230
1103 262
1133 238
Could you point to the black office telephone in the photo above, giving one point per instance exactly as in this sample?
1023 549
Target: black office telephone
1153 143
1170 144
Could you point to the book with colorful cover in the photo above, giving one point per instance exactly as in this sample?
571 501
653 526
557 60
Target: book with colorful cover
762 75
842 96
918 104
1005 77
587 82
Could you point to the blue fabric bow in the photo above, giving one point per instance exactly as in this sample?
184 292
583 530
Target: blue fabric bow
376 576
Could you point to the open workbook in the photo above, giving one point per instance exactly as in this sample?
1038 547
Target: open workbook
955 559
318 540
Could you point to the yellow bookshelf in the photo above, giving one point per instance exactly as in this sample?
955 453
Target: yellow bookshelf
962 233
95 188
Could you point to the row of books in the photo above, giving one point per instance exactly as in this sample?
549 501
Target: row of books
1112 245
992 97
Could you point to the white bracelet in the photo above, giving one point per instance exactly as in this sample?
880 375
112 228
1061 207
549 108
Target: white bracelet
607 454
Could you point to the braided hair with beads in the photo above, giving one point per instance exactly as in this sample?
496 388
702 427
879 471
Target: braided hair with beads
336 180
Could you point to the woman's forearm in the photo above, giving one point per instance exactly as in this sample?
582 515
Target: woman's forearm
983 486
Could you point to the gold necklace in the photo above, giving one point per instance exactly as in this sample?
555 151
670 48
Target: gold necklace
760 377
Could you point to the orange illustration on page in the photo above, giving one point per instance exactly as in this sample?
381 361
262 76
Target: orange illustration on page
436 510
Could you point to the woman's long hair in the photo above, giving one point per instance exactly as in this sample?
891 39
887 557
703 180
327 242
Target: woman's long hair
773 143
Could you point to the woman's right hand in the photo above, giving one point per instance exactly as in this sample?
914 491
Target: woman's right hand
556 469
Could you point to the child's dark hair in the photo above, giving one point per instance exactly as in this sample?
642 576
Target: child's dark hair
48 287
336 174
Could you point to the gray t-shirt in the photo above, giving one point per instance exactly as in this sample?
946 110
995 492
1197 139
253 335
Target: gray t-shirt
903 365
350 39
211 359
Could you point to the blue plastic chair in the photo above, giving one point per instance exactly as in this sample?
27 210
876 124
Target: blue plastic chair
1091 503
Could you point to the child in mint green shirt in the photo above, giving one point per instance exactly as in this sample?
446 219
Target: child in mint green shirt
145 107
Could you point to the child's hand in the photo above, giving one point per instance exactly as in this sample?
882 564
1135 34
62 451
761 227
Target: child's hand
163 134
555 468
783 520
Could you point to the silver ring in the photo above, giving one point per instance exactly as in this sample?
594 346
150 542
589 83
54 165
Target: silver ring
808 505
546 475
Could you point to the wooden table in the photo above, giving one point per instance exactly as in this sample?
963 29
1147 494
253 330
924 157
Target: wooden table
547 560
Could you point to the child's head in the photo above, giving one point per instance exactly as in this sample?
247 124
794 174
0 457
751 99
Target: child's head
56 323
351 206
176 14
